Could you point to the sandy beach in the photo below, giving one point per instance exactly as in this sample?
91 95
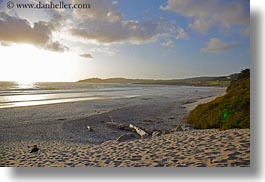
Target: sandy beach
69 121
60 132
202 148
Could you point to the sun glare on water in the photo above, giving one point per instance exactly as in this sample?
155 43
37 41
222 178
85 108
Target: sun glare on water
25 84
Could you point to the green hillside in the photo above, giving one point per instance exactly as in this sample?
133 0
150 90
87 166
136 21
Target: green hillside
229 111
219 81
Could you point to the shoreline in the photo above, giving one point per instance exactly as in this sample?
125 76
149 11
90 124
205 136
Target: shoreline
69 121
193 105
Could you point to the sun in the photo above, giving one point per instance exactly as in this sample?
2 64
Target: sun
18 63
27 64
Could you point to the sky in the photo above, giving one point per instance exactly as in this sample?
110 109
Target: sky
158 39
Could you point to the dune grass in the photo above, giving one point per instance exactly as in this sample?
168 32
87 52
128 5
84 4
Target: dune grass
229 111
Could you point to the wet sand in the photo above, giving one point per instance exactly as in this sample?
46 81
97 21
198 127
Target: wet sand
69 121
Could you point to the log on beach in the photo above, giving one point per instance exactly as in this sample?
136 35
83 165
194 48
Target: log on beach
139 131
125 137
119 126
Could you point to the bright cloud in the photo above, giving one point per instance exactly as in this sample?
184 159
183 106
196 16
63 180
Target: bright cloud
104 50
104 24
215 45
181 34
114 2
100 11
207 14
168 43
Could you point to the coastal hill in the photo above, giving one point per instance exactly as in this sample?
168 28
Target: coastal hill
229 111
197 81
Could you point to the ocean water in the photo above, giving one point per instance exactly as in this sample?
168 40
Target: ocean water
13 94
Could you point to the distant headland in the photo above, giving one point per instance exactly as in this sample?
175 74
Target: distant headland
222 81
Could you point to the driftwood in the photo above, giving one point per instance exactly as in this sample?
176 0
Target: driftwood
185 128
113 125
156 133
124 137
165 131
118 126
176 129
139 131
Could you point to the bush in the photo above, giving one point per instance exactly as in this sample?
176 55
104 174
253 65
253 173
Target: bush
229 111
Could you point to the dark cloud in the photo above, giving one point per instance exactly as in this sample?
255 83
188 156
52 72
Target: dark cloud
56 46
86 55
16 30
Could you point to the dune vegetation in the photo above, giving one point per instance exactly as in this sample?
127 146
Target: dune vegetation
229 111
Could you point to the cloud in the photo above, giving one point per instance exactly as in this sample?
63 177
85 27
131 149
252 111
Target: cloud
100 11
207 14
178 33
5 44
16 30
104 24
128 31
200 25
105 50
181 34
86 55
168 43
215 45
114 2
56 47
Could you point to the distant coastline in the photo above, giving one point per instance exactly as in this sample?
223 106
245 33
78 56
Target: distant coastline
219 81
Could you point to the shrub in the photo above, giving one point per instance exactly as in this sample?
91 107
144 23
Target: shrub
229 111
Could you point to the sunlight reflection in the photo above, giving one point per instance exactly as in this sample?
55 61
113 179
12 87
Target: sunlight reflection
44 102
25 85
